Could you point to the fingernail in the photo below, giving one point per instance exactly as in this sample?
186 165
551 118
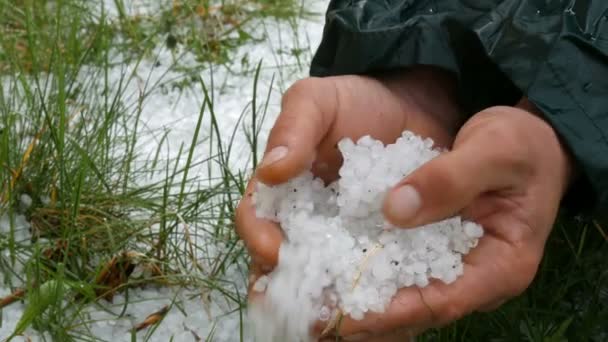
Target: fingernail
358 337
404 203
274 156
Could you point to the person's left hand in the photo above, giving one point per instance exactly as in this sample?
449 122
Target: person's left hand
506 171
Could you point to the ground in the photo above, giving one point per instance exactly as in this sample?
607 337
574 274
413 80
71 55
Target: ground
128 130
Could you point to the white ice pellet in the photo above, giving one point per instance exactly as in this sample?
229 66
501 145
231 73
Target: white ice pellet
26 201
261 284
421 280
337 254
382 271
324 314
472 230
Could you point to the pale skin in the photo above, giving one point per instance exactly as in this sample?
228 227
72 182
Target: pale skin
505 169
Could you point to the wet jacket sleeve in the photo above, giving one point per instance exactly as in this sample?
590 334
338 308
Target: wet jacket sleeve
554 52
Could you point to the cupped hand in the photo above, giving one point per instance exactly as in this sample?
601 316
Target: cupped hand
507 171
316 113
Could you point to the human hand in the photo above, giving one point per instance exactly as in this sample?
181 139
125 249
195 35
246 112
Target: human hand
506 171
316 113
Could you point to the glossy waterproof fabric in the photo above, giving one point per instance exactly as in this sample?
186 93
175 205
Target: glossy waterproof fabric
554 52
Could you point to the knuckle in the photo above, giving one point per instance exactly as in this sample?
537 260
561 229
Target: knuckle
300 88
502 133
309 97
283 125
445 180
513 154
511 138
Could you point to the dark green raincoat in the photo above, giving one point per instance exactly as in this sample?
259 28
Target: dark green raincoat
553 51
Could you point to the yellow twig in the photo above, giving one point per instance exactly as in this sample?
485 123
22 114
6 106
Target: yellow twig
152 319
26 156
12 298
334 321
24 160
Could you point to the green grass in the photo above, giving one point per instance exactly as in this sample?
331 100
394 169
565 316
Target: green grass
101 207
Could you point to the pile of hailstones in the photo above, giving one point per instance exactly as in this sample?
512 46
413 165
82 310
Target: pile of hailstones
338 255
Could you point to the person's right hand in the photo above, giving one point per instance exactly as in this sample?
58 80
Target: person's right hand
317 113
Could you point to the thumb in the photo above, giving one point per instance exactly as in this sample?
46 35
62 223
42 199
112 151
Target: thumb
445 185
307 111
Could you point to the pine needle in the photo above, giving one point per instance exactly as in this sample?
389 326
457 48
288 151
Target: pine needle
152 319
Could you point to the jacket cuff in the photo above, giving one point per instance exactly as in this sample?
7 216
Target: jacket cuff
421 40
348 50
570 89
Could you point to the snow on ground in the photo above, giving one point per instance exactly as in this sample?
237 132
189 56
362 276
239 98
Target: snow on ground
10 315
231 87
168 108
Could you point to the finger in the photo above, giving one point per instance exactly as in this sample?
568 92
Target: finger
485 281
442 187
307 112
255 273
262 237
401 335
